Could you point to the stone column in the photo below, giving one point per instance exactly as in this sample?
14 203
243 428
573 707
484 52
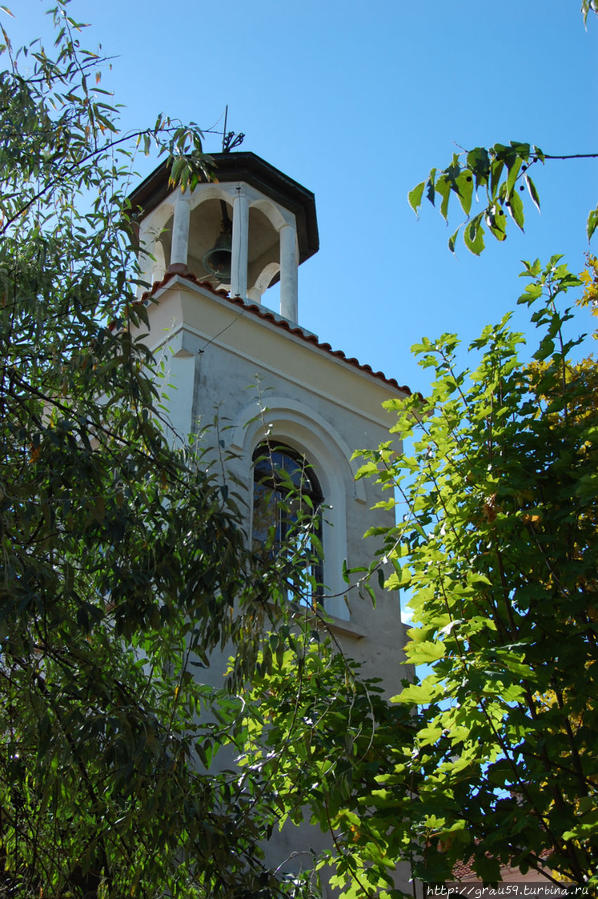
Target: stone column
180 232
288 272
240 243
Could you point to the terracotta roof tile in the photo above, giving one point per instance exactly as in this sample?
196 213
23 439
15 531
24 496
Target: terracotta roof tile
267 315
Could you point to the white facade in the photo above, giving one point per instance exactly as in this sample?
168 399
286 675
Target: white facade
257 378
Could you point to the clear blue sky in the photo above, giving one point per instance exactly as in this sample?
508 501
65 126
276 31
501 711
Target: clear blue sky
357 101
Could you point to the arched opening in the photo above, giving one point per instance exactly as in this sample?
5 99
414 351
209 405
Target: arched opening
207 223
287 518
263 250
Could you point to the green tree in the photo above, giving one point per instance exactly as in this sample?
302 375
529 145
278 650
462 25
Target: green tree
499 545
123 566
492 756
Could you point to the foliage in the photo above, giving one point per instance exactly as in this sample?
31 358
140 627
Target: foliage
491 756
589 278
586 6
123 565
322 734
498 546
495 178
500 174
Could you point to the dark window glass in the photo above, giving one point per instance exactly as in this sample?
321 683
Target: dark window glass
287 503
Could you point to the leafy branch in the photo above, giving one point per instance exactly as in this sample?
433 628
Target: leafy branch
494 178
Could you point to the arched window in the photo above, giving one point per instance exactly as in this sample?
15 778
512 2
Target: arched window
287 502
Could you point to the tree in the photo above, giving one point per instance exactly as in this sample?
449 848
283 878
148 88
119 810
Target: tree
500 534
123 564
492 756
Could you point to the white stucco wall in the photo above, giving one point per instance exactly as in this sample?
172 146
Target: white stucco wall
255 378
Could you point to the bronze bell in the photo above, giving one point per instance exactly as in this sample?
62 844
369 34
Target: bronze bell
218 260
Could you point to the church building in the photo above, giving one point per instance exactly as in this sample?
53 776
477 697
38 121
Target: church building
261 377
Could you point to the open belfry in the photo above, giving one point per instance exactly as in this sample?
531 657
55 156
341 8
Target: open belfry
242 373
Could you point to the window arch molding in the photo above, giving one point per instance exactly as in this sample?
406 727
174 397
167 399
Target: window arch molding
291 423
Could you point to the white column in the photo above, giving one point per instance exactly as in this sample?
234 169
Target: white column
288 272
180 231
240 243
145 261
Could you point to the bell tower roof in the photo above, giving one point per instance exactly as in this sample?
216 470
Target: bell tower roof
255 171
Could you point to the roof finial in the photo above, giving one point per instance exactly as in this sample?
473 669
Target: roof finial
230 140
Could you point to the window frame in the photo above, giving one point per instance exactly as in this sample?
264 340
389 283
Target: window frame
286 473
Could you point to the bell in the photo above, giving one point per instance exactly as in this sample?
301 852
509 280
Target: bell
218 260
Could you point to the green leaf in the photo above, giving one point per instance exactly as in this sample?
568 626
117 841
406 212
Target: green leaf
415 196
465 188
546 349
478 161
426 651
592 223
473 235
430 191
487 868
532 191
512 176
515 208
419 694
497 221
443 187
496 170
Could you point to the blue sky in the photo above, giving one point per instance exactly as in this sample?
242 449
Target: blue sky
357 101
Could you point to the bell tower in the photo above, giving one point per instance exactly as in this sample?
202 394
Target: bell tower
210 255
241 233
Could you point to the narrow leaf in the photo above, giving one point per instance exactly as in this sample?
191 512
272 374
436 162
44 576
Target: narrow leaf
443 187
592 222
512 176
532 191
495 173
430 192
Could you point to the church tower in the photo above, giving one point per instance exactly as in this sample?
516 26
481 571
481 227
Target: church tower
211 254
